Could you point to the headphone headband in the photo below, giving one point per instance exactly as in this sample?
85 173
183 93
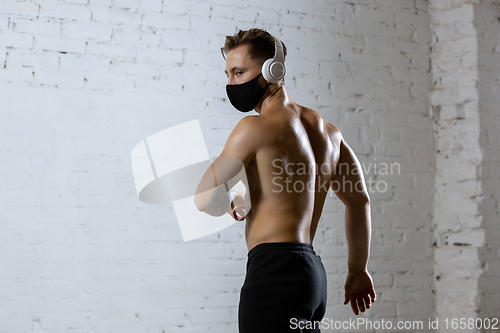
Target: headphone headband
279 54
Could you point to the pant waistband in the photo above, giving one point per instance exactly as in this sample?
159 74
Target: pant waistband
281 246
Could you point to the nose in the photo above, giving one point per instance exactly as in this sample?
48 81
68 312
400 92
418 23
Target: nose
231 79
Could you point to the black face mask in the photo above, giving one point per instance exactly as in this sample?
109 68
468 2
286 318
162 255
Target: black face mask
246 96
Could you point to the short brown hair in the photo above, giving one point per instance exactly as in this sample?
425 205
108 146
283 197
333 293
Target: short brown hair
261 43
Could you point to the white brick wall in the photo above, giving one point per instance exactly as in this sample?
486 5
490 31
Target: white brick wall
82 84
458 152
487 24
465 111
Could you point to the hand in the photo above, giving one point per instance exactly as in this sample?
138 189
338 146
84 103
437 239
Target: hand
358 286
238 204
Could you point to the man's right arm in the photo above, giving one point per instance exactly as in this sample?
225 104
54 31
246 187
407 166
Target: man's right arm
349 185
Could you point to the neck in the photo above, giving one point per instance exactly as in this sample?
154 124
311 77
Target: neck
275 97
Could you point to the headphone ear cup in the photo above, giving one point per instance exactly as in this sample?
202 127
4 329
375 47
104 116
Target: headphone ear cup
266 71
277 70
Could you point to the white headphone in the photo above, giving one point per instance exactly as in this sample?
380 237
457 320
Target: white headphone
273 69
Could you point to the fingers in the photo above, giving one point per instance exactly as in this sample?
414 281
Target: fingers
358 304
361 304
367 301
241 213
360 301
354 306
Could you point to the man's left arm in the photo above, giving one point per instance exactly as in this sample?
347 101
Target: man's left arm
240 149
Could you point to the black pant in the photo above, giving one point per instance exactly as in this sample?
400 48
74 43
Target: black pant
284 289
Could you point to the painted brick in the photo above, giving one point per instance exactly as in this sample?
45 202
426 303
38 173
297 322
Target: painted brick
59 44
17 41
76 241
43 27
87 31
64 11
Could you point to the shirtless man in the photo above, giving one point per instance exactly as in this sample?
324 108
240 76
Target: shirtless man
285 285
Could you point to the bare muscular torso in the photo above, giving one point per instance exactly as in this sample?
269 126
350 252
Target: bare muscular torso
290 176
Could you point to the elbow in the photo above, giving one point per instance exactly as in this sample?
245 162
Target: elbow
361 200
198 202
366 199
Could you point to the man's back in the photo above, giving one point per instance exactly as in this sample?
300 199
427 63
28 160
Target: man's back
290 176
